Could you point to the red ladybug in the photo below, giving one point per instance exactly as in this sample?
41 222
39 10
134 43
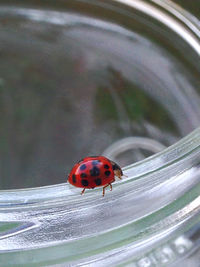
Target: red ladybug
95 171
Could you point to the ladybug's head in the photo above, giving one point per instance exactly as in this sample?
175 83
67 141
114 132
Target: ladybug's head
117 170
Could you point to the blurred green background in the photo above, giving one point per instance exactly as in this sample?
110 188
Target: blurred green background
72 85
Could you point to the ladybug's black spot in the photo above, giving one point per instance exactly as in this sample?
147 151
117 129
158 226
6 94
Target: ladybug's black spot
82 167
106 166
84 182
94 171
107 173
95 162
98 181
74 178
83 175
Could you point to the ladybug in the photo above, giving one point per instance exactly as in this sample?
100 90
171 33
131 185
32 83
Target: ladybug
94 171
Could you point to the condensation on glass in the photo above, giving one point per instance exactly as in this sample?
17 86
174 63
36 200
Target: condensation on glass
151 218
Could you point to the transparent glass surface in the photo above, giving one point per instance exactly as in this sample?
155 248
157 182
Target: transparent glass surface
112 77
75 78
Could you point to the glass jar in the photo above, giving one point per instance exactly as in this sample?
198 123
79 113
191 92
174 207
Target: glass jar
152 217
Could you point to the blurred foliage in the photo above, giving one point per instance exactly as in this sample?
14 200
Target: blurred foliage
136 102
192 6
105 109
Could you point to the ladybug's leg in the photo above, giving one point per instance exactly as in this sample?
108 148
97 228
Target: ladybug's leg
105 188
83 191
110 187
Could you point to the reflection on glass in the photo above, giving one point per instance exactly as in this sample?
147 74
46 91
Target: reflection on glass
72 85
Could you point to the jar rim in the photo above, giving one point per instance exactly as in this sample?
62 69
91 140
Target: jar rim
159 160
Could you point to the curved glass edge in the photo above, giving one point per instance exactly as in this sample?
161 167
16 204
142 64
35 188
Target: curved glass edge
52 193
167 156
172 16
168 224
188 18
167 241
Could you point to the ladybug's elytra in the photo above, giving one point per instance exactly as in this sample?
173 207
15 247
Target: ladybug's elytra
94 171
